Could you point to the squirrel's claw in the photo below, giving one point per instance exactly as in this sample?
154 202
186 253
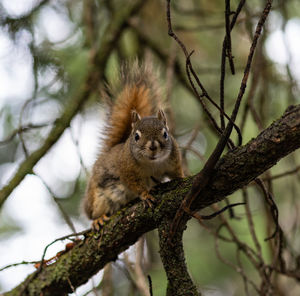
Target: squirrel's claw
148 204
99 222
148 200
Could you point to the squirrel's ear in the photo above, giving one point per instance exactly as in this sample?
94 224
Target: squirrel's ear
162 117
135 117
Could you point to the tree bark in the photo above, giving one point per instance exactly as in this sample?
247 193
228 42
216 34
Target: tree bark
233 171
172 256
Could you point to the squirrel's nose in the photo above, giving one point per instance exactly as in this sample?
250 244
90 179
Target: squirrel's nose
153 146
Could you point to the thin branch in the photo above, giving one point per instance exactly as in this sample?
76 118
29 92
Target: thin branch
236 268
180 75
76 143
240 265
203 177
14 23
251 223
140 276
64 214
150 285
107 281
135 269
273 207
223 56
189 69
284 174
23 129
236 169
199 28
228 36
17 264
96 67
208 217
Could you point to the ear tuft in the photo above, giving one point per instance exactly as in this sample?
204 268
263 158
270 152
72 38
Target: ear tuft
135 117
161 116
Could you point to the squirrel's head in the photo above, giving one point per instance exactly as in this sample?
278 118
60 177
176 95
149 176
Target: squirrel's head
150 140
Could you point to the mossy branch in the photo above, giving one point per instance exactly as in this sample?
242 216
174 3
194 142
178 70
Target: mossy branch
173 259
235 170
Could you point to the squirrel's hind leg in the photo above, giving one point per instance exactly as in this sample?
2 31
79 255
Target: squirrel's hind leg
106 201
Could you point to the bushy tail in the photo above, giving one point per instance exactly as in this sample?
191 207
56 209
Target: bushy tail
137 89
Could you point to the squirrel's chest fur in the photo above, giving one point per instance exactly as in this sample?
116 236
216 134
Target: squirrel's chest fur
138 151
127 168
112 174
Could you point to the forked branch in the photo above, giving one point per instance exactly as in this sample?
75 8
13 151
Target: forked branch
233 171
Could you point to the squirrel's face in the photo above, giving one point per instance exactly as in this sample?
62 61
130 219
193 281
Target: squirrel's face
150 141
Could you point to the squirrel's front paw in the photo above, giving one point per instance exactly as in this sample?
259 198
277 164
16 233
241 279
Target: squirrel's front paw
148 199
99 222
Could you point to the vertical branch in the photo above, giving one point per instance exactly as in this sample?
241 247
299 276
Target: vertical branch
229 27
189 71
135 269
172 256
89 11
64 214
140 280
228 37
170 86
107 287
237 268
222 87
251 224
205 174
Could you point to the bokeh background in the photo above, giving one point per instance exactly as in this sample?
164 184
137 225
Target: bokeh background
44 52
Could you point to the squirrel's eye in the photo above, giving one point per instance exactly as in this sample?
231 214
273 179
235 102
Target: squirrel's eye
165 135
136 137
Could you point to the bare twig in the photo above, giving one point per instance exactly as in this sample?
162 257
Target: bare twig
17 264
135 271
23 129
228 36
236 268
56 200
150 285
76 143
141 281
273 207
229 27
284 174
189 69
207 217
236 169
107 281
203 177
84 232
95 73
251 223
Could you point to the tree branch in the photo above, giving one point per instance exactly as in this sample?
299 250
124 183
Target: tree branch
172 256
233 171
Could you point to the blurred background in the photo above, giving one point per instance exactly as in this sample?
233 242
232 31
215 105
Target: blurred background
45 59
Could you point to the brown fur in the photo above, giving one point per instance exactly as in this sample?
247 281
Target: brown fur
126 167
137 90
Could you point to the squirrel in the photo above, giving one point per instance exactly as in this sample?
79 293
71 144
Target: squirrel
137 152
